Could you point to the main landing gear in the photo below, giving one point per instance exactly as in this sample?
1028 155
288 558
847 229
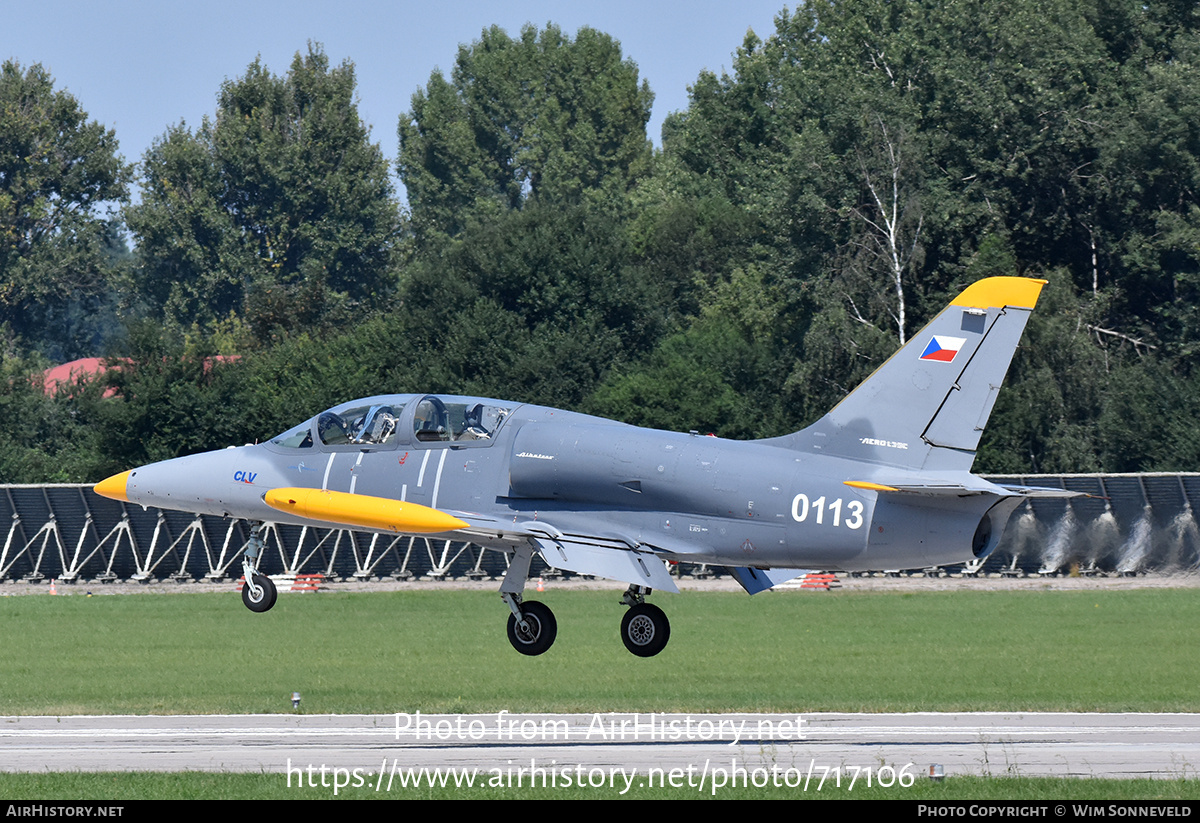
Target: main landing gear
258 592
645 629
532 628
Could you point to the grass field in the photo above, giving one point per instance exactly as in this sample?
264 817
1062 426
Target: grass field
131 786
446 652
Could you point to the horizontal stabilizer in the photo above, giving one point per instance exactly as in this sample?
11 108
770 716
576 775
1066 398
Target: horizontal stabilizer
929 489
1040 491
626 565
934 489
362 511
759 580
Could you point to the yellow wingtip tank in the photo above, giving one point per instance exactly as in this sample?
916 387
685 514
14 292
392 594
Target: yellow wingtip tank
362 510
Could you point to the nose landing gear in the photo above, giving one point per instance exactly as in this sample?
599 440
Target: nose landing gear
258 592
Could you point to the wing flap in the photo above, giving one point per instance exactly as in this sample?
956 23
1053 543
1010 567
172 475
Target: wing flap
615 563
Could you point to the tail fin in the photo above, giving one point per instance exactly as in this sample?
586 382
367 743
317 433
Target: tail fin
926 407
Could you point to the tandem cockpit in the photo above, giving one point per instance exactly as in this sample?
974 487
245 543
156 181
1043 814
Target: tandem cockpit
389 420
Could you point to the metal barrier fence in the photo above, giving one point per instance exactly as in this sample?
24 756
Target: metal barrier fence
1129 523
67 532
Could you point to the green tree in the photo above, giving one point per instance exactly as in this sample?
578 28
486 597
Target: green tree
43 438
887 153
1146 221
536 303
60 181
279 211
887 138
542 118
706 379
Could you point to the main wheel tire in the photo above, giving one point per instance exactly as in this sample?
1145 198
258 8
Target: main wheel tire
543 628
265 600
645 630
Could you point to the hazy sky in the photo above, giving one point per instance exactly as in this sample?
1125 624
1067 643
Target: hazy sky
140 66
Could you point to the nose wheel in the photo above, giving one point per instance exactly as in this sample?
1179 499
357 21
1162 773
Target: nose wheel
645 629
259 593
536 629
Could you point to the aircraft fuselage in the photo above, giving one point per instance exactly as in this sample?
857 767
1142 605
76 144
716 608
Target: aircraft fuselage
880 482
696 498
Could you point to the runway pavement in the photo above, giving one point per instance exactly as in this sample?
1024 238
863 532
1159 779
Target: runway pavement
819 746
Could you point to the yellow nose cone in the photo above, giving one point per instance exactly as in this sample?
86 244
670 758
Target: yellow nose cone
114 487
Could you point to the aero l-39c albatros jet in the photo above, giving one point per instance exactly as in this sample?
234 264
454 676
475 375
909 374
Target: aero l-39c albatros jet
881 482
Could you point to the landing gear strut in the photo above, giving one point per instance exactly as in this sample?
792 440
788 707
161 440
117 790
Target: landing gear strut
645 629
531 626
258 592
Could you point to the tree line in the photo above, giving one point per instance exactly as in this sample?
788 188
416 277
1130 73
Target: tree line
806 213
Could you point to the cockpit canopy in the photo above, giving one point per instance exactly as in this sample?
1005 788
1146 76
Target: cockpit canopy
370 424
382 421
455 419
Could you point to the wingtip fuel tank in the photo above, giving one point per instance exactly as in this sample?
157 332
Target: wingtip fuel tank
362 511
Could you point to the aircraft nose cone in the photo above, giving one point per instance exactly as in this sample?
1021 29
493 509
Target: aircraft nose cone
114 487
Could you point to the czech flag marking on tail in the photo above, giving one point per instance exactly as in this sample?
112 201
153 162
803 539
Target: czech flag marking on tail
942 348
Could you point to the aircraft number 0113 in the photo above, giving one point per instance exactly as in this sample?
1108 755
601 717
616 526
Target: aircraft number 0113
802 507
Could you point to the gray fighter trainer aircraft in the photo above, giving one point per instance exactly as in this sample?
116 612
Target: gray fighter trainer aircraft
881 482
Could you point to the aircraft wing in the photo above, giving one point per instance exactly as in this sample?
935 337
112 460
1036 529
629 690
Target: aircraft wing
638 564
612 558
